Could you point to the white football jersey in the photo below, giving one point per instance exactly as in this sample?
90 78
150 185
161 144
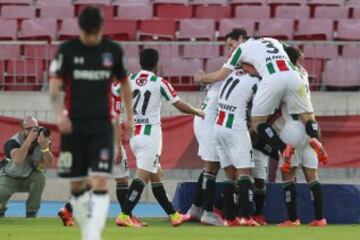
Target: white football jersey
234 97
147 91
267 55
211 100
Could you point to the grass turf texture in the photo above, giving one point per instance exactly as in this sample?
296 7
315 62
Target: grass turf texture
160 229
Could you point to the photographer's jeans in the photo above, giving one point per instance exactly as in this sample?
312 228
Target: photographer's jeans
34 185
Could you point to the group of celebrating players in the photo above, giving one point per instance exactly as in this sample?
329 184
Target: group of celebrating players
257 106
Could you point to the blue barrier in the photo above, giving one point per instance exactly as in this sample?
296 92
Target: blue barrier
341 202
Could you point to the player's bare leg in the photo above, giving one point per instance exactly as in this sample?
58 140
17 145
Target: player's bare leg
159 193
269 135
312 179
229 208
245 188
313 131
290 198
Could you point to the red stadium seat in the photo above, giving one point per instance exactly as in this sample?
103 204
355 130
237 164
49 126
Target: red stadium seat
226 25
213 12
331 12
209 2
314 68
174 11
199 29
156 29
118 29
131 2
44 3
247 2
69 29
38 29
321 51
342 73
131 51
135 12
184 2
10 52
16 2
326 2
8 29
133 65
2 71
293 12
37 52
17 12
348 29
252 12
201 51
351 51
287 2
93 2
57 12
278 28
105 7
213 64
24 75
356 12
314 29
166 52
352 3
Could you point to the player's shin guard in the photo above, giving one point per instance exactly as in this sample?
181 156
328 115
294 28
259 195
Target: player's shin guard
162 198
121 192
229 203
245 186
259 199
269 135
208 187
290 200
317 199
133 196
199 192
80 203
100 202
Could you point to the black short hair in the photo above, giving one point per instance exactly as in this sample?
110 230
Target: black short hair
236 33
90 19
149 58
293 53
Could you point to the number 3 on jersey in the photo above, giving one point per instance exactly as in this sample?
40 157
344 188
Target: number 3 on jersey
141 100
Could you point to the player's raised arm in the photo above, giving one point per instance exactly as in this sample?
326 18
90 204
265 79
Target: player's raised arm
217 76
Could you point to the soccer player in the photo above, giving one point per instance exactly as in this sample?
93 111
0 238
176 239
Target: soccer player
146 142
295 133
280 82
234 145
86 66
202 207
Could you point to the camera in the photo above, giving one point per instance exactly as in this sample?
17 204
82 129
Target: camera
45 131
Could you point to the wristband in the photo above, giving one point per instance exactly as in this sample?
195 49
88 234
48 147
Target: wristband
47 149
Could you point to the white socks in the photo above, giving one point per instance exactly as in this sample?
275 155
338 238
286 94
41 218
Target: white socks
90 211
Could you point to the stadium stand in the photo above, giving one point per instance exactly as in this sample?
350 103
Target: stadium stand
226 25
43 3
348 29
38 29
121 30
156 29
351 51
293 12
174 11
282 29
196 29
336 69
135 12
57 12
17 12
213 12
68 29
8 29
314 29
252 12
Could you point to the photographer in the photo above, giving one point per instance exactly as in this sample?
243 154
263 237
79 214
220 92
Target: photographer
27 154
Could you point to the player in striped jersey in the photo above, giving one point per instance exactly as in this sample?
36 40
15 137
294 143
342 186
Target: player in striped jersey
280 82
146 142
234 145
202 207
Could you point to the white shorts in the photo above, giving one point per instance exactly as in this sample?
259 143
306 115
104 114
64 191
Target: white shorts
204 133
294 133
261 163
121 170
147 149
287 87
234 147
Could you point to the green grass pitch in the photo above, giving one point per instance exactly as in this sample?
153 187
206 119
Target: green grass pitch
160 229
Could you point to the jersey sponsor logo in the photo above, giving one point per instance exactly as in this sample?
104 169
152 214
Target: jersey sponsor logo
142 121
107 60
79 60
230 108
91 75
276 57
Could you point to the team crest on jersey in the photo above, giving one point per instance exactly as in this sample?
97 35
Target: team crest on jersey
141 81
107 60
